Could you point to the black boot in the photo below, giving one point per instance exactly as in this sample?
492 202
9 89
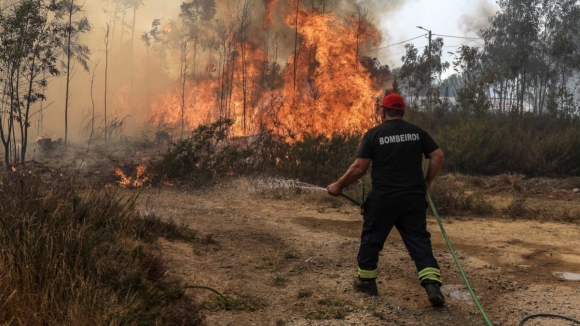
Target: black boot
366 286
434 293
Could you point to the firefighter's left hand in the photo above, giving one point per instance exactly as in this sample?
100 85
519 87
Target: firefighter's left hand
334 189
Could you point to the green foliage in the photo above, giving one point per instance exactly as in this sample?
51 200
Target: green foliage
207 156
487 144
83 258
197 11
416 73
31 41
496 144
318 159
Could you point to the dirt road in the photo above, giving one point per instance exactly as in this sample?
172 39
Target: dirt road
287 259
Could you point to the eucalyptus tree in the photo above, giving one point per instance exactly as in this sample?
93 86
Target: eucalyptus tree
155 39
510 44
30 35
243 18
134 5
563 43
532 47
420 70
471 92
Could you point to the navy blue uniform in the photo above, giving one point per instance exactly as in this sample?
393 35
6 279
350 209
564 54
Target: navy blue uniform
397 199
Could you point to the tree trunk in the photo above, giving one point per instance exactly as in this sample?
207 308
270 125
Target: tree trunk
183 80
106 78
296 43
93 104
133 30
68 70
25 120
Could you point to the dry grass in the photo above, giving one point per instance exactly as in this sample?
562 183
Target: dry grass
509 196
452 195
85 257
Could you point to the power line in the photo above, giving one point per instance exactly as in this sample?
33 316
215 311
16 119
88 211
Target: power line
414 38
388 46
467 38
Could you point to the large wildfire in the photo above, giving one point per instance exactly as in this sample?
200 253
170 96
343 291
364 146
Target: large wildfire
286 67
326 84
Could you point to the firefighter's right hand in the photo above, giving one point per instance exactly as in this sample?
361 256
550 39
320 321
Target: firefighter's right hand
334 189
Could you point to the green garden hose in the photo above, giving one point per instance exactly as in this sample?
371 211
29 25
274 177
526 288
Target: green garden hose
489 323
464 276
469 286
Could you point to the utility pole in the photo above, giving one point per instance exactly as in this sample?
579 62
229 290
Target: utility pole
429 62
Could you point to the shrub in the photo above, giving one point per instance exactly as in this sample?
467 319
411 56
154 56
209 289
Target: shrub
198 160
519 209
453 197
496 144
319 160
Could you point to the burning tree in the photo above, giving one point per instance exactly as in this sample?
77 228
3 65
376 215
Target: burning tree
325 86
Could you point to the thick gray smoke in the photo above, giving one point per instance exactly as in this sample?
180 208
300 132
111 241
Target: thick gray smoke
479 19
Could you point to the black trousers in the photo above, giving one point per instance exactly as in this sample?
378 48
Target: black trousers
408 214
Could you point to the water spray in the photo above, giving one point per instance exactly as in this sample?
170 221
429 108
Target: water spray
289 183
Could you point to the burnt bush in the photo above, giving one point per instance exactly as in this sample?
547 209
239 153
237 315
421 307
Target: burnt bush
77 257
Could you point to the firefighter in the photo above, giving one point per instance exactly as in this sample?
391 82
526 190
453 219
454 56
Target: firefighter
396 149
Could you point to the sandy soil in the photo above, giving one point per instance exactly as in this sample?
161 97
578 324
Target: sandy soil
290 259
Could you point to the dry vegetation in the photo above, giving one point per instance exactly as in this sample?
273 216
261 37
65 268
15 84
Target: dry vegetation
78 256
509 196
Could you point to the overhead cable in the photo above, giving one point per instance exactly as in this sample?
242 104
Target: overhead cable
388 46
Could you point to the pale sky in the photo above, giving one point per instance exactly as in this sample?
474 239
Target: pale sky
448 17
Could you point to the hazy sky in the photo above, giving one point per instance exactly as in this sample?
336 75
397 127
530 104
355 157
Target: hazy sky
449 17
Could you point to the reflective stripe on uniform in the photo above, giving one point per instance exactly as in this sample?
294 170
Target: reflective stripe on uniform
430 273
368 274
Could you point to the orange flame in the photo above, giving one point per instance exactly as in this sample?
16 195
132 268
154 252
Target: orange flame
324 88
128 182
